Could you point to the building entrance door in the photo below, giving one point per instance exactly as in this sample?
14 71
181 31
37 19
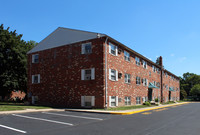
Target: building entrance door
169 95
150 94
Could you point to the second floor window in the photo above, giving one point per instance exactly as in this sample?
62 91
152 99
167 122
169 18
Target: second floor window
35 58
145 82
138 80
137 61
113 75
36 79
126 56
127 78
86 48
88 74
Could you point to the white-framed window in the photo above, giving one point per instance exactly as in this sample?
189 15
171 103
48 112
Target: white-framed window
138 100
127 100
35 58
87 101
145 82
113 101
166 75
88 74
154 68
144 64
113 49
127 78
35 79
126 56
167 87
86 48
137 61
154 83
138 80
158 84
113 75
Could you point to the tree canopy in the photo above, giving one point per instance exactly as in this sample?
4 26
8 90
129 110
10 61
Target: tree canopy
13 61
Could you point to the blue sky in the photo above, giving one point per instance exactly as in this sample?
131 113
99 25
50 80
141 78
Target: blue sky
167 28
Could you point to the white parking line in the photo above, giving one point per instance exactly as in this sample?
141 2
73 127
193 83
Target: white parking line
14 129
28 117
72 116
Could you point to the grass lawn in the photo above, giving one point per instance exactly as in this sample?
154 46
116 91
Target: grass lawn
127 107
7 106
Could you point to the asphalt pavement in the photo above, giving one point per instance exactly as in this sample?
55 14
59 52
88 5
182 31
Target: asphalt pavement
174 120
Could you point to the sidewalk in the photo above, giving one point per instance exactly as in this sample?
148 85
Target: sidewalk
126 112
30 110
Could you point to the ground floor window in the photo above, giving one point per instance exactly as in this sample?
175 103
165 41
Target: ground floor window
87 101
127 100
113 101
138 100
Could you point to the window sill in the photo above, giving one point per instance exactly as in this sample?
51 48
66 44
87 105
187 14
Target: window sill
113 80
112 54
127 83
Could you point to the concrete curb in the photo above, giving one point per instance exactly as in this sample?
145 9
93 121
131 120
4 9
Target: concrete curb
127 112
31 110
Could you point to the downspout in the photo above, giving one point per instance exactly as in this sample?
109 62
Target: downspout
106 83
161 79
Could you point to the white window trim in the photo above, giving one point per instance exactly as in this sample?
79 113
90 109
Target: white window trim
137 60
33 78
144 64
83 101
33 58
127 58
126 79
116 49
92 74
116 75
116 101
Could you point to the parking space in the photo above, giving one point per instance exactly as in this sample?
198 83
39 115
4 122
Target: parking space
47 122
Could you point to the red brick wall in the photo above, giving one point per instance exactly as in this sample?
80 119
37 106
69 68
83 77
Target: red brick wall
60 73
121 89
61 84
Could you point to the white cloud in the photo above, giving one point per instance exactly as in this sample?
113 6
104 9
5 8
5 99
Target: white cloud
172 55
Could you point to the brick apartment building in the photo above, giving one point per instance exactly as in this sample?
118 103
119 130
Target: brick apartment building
74 68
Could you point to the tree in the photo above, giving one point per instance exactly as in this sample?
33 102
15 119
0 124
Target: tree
195 91
13 61
188 81
183 94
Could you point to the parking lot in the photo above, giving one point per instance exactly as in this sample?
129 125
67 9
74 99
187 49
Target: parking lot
43 123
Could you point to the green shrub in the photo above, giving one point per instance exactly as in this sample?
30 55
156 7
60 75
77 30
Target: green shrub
156 100
147 103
